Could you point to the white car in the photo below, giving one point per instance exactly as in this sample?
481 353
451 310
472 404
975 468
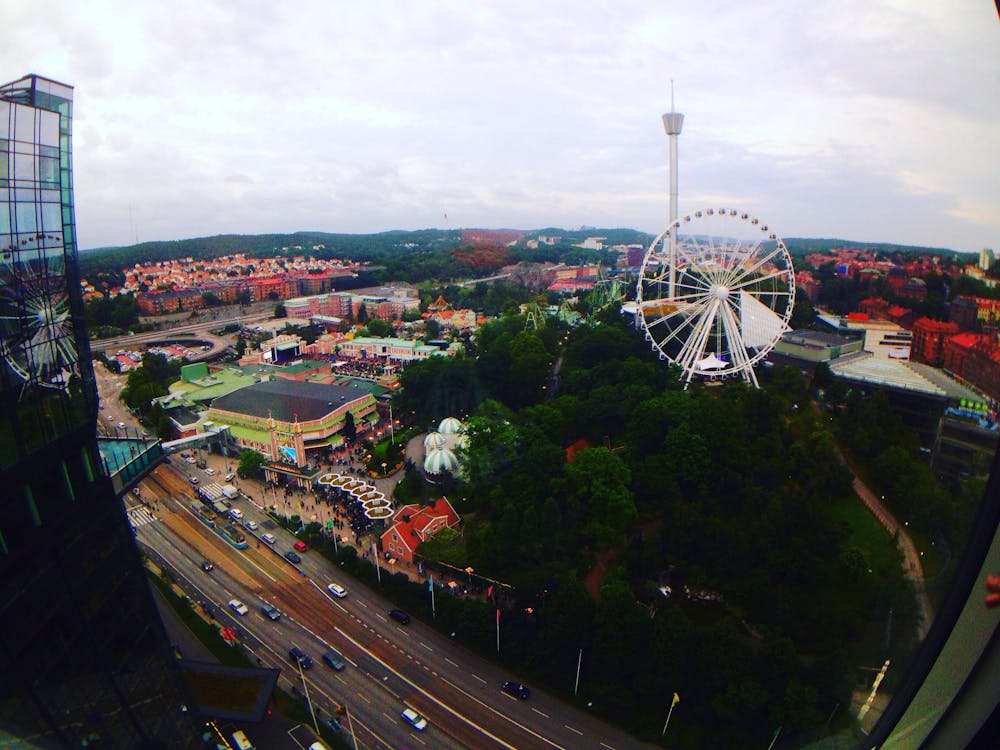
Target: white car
252 525
414 719
269 538
337 590
191 460
238 607
210 472
235 513
229 477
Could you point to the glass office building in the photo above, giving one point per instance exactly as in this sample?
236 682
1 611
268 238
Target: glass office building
84 658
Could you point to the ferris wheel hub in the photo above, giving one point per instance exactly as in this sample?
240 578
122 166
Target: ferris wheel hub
719 291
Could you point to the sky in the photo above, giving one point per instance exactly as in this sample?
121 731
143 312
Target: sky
863 120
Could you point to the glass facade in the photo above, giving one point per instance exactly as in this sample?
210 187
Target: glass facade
84 658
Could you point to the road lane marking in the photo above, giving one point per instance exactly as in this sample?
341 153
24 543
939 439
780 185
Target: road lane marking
478 678
426 646
361 603
364 697
572 729
540 713
435 699
605 744
414 737
450 662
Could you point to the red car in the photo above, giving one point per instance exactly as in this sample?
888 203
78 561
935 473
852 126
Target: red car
300 546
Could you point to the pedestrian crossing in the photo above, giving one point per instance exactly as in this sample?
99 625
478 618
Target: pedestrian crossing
140 516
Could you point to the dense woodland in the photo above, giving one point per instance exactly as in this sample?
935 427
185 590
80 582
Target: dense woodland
738 494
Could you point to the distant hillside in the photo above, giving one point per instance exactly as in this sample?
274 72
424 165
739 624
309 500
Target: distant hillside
426 254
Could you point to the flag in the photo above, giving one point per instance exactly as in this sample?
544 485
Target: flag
430 583
675 701
489 593
498 617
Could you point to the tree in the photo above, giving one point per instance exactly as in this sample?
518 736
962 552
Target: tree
279 311
241 345
251 463
432 329
379 328
349 430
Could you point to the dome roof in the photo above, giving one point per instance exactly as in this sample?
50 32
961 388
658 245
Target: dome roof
440 461
449 426
433 440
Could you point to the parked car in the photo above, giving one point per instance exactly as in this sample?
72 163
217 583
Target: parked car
206 565
297 656
270 611
517 689
238 607
399 616
335 660
414 719
269 538
292 557
337 590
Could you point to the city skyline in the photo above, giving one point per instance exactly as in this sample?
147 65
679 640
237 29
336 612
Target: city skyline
867 123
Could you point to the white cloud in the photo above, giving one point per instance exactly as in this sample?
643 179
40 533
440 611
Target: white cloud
867 120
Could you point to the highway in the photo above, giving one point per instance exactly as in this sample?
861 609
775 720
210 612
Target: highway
390 666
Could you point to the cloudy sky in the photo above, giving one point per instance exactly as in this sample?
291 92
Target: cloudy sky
861 119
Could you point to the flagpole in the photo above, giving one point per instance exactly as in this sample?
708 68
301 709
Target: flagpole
498 630
673 703
378 570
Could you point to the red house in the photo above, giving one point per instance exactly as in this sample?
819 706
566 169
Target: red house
414 524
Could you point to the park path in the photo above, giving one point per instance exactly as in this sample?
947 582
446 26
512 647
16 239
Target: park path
912 568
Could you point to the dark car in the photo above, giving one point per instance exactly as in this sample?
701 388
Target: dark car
296 656
399 616
292 557
517 689
206 565
270 611
335 660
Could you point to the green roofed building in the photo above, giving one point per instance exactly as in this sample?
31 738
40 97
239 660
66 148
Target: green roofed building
286 420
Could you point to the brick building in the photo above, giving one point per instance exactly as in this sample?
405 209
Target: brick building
414 524
928 340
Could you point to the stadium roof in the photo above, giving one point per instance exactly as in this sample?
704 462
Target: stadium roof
288 400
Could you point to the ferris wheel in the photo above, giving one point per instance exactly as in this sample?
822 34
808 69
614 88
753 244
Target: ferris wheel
715 294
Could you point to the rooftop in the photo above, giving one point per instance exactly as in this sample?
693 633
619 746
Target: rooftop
289 400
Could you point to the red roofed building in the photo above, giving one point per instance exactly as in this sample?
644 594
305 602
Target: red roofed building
957 348
902 316
928 340
414 524
874 307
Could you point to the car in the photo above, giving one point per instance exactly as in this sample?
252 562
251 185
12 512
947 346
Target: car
120 425
252 525
238 607
229 477
300 546
337 590
269 538
202 465
297 656
399 616
335 660
194 480
110 418
517 689
206 565
184 454
235 513
270 611
191 459
414 719
210 472
292 557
